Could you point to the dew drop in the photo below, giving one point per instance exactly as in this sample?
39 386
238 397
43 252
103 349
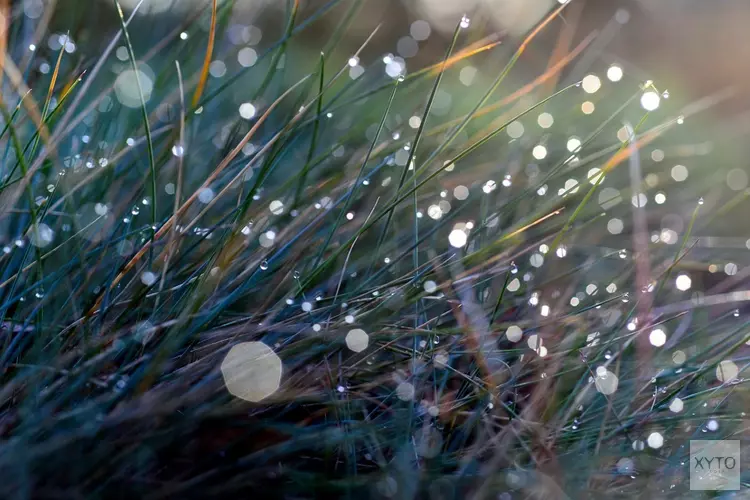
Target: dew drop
357 340
655 440
148 278
251 371
405 391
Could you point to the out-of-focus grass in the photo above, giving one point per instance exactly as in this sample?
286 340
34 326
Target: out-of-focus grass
509 297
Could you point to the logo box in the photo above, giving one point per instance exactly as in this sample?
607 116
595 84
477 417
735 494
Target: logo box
714 465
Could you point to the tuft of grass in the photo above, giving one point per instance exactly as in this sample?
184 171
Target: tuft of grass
462 303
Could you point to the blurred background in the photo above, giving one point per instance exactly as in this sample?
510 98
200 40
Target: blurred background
692 45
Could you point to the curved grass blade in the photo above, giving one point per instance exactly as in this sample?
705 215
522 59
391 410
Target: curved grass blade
146 125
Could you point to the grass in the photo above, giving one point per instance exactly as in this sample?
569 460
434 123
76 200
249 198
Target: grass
509 298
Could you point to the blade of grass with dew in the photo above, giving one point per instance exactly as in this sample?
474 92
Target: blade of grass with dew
357 180
314 138
414 147
146 124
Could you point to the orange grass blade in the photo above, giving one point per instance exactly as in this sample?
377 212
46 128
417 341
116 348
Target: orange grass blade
207 60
